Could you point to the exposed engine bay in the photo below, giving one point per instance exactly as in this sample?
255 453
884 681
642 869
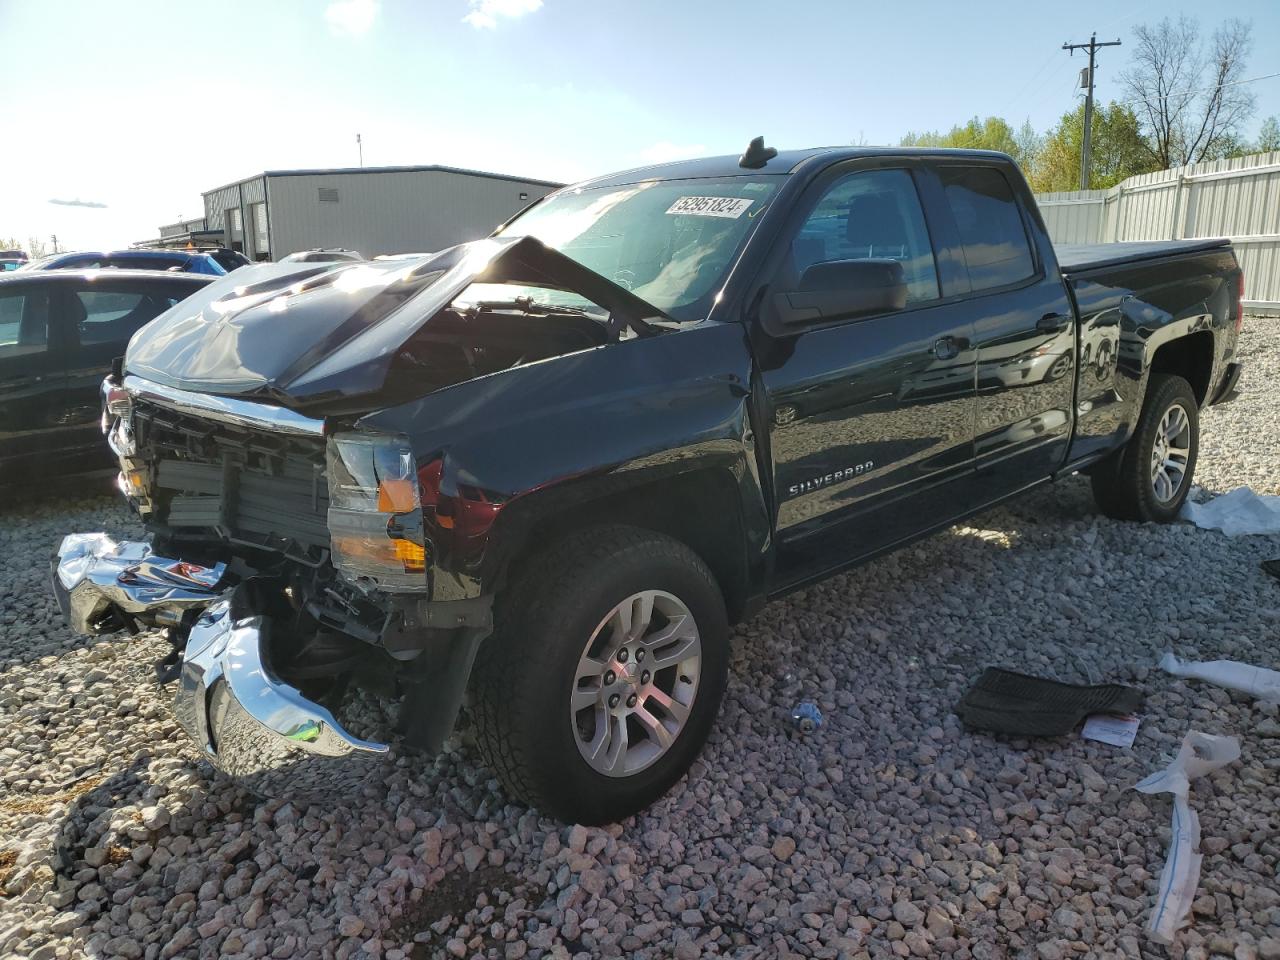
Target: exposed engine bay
468 341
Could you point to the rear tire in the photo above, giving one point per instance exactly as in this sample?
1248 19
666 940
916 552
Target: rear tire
562 735
1148 479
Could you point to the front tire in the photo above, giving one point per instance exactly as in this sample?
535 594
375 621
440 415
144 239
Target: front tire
1149 478
604 674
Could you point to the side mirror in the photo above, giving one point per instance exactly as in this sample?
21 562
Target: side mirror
841 290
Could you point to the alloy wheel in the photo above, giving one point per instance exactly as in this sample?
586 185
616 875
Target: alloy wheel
1170 453
635 684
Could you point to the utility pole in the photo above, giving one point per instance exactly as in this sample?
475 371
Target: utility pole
54 238
1093 46
360 147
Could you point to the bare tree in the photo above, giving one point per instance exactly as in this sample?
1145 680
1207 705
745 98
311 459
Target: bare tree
1188 95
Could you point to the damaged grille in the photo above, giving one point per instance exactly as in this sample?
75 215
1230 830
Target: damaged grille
241 485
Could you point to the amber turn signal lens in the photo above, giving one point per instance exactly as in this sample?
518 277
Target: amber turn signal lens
397 496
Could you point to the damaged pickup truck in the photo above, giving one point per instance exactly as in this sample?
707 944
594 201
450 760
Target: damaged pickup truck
542 473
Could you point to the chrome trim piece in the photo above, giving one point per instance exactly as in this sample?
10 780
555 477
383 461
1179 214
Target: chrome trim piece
96 577
257 729
241 413
246 721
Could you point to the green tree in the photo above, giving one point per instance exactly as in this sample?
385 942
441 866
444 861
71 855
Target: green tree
993 133
1117 151
1268 136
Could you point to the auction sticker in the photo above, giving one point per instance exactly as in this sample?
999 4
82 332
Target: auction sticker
729 207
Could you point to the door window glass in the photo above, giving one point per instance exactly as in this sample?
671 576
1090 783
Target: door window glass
24 324
112 316
992 236
873 215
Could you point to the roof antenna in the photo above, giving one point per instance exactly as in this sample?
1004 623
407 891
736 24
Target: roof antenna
757 155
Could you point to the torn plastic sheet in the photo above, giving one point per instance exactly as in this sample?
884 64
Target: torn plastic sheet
1200 753
1238 513
1258 682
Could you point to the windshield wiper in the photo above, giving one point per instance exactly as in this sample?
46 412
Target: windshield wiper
529 305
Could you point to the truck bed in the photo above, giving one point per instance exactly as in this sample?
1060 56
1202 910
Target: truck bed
1079 257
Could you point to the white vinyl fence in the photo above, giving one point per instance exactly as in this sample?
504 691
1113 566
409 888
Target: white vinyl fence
1238 198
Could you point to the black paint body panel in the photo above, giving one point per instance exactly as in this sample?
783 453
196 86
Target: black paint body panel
794 454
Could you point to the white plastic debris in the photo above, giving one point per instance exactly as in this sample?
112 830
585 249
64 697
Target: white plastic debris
1118 730
1238 513
1258 682
1199 754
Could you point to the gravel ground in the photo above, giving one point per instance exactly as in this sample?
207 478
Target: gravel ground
889 831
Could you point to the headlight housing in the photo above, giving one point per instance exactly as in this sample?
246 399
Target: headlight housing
375 512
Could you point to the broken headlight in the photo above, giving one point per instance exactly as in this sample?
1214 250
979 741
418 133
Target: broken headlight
375 513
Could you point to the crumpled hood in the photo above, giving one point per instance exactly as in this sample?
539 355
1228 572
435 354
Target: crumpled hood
302 334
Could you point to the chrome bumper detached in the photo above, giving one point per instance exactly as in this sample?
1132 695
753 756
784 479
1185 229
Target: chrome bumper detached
250 724
103 586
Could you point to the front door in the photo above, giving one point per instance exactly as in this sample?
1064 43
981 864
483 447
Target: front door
869 416
31 379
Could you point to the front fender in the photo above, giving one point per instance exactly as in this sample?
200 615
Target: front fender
502 455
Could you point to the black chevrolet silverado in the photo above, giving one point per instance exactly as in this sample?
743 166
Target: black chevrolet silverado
543 473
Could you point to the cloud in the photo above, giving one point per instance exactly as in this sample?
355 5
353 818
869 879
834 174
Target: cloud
664 151
351 18
485 14
92 204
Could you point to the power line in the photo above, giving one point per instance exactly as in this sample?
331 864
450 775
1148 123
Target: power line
1093 46
1180 93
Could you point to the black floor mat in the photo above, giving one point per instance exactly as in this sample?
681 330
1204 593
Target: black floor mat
1014 703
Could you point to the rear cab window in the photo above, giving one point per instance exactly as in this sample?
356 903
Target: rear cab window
993 237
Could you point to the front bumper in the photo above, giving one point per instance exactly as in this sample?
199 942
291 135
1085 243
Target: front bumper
250 724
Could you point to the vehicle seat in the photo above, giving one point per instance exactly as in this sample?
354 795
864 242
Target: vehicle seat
875 228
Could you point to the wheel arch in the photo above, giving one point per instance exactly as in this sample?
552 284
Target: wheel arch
1190 357
701 508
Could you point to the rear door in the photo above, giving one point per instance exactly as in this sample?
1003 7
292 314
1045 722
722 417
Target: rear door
1024 328
102 314
31 378
870 417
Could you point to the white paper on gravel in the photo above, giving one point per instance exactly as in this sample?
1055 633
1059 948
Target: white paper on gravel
1116 730
1258 682
1238 513
1200 753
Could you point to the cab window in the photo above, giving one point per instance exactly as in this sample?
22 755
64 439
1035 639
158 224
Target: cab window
992 235
871 215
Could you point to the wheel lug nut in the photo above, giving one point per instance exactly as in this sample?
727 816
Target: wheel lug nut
631 700
613 701
609 678
644 677
622 655
640 656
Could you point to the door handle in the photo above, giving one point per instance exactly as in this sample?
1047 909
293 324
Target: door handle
1051 323
948 348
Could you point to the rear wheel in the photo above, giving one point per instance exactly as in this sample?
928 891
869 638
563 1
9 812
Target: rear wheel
604 674
1150 477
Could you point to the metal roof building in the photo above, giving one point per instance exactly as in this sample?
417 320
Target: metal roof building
374 210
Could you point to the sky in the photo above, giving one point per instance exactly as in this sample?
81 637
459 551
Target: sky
138 107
